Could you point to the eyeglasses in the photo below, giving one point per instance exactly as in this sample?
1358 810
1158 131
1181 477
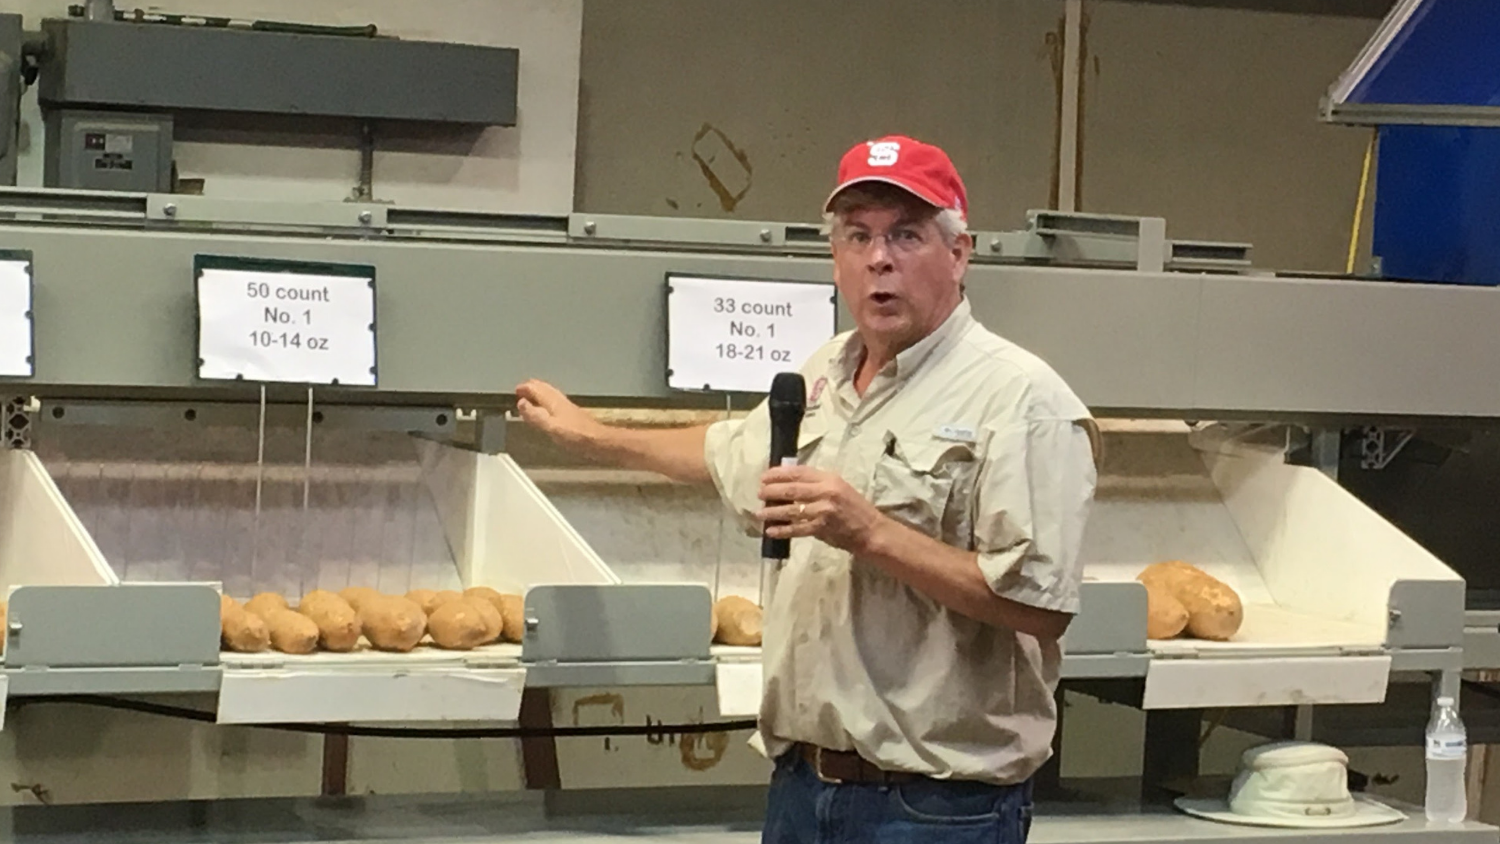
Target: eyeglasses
901 239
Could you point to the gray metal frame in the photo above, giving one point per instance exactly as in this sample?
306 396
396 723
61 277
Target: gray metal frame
475 307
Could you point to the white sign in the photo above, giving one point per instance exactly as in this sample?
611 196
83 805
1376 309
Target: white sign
301 328
15 319
736 334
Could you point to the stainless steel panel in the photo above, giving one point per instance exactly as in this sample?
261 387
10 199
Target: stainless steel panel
1120 339
126 625
617 623
38 682
1361 348
1111 620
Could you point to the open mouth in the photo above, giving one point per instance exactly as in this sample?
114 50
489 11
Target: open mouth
882 298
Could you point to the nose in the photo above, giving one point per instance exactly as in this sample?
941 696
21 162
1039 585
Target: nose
878 259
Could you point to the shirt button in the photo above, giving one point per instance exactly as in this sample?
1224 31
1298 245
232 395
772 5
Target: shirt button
854 430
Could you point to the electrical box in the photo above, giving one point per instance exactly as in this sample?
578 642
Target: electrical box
109 151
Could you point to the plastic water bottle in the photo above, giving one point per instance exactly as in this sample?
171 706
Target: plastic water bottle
1447 756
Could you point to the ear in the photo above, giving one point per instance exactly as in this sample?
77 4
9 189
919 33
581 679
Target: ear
963 249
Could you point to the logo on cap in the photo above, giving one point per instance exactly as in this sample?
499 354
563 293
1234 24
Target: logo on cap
884 153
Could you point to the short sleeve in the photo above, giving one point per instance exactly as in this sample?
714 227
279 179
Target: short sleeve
736 451
1033 499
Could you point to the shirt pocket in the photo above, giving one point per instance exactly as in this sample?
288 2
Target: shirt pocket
927 484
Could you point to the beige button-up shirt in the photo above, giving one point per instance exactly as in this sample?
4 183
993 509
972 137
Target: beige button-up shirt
965 437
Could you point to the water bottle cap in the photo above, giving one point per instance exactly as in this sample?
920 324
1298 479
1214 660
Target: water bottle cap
1445 701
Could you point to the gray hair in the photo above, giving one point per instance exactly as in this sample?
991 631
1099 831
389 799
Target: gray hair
950 223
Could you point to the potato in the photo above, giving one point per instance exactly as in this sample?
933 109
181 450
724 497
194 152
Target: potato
513 607
264 602
494 622
430 600
338 623
487 594
1165 615
739 621
422 598
393 623
240 630
357 595
458 625
1214 610
713 622
291 632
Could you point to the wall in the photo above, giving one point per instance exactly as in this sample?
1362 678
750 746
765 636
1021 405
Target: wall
742 110
1206 116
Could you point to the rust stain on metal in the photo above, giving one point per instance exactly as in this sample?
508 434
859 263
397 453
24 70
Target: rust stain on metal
715 745
707 159
616 704
1052 51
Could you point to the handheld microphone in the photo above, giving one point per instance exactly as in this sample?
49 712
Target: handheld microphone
787 402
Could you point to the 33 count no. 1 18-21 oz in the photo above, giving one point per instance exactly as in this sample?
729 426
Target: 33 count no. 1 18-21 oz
287 340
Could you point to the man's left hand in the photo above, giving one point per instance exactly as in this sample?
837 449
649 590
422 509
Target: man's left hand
811 502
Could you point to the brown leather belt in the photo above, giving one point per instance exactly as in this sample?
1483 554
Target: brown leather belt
840 766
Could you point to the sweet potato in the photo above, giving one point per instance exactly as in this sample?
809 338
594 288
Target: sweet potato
358 595
240 630
513 607
484 592
739 621
338 623
430 600
393 623
291 632
1166 617
423 598
1213 608
264 602
494 622
458 625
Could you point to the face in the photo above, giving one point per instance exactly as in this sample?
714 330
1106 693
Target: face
896 274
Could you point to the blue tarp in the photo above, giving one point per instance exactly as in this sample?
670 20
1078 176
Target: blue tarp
1447 53
1437 204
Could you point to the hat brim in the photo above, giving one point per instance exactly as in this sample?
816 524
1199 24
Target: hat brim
828 204
1367 812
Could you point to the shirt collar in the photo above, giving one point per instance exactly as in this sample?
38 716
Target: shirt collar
908 360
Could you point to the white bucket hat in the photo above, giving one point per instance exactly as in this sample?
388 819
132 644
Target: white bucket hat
1293 784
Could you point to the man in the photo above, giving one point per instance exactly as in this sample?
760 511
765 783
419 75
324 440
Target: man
911 646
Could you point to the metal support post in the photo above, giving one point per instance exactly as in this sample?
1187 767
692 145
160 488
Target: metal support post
1171 748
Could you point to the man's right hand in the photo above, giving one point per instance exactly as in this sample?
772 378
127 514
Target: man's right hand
545 407
674 452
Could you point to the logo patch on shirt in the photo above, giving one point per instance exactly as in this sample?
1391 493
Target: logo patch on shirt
817 392
955 433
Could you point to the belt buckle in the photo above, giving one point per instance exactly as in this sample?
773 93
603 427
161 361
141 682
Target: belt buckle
818 767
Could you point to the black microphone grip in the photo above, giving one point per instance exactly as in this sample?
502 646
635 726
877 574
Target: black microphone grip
786 405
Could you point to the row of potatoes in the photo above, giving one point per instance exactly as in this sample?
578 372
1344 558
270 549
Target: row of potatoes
337 622
454 620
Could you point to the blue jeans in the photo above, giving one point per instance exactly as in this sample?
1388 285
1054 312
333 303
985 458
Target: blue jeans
802 809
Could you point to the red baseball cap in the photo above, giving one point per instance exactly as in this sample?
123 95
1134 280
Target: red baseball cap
921 169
